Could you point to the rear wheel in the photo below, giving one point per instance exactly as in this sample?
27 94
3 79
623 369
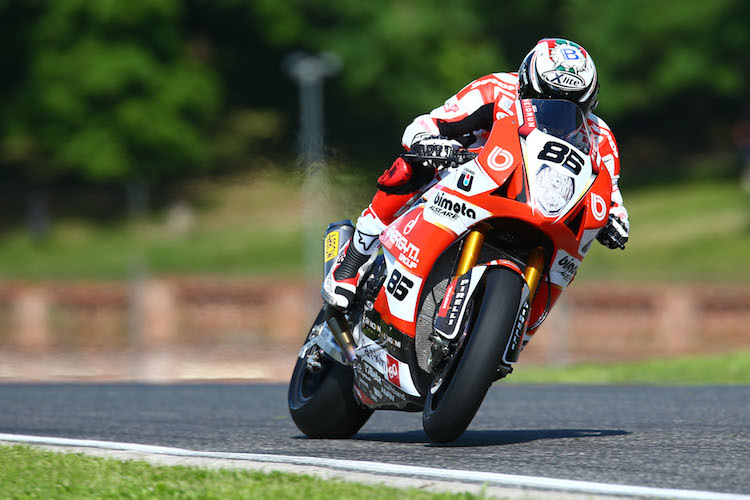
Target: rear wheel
457 393
322 402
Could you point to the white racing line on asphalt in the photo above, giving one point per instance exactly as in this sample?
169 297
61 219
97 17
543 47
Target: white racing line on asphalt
485 478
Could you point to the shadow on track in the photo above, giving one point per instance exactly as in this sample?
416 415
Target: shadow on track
489 438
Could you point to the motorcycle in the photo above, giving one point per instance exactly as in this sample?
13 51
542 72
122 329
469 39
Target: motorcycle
466 275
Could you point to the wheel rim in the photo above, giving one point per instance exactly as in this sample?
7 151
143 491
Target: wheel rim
311 382
305 384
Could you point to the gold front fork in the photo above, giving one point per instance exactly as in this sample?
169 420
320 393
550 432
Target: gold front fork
534 269
472 247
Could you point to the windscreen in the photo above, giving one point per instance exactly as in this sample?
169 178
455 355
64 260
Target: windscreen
564 120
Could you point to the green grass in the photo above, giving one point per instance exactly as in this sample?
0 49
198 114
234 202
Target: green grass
698 231
27 472
115 252
245 226
694 231
706 370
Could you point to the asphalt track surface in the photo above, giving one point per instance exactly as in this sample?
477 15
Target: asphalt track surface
695 438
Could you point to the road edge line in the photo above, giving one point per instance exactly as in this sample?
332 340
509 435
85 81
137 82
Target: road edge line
488 478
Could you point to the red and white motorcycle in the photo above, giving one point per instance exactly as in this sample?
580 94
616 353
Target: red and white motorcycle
465 274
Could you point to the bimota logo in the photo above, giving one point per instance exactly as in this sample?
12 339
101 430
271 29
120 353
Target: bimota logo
392 370
564 268
409 255
568 265
443 205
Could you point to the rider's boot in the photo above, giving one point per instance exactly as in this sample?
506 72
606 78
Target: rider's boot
398 187
353 261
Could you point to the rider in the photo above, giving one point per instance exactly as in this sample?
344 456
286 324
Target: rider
554 69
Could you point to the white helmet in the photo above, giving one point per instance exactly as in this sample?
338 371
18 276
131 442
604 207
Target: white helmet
559 69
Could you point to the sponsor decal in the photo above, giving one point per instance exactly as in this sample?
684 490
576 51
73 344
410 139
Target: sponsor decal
450 207
392 341
499 159
598 207
331 245
564 268
443 311
450 108
465 180
569 265
457 301
409 255
564 79
506 103
392 370
370 371
410 225
451 309
519 327
370 350
529 119
366 321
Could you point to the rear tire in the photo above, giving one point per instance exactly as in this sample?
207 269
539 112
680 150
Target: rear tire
322 404
449 411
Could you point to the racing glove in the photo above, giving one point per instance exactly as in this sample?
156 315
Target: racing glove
614 234
437 146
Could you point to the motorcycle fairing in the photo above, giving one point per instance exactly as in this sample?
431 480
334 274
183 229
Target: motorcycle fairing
500 183
382 380
391 339
415 240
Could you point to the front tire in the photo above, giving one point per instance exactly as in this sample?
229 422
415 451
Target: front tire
450 409
322 404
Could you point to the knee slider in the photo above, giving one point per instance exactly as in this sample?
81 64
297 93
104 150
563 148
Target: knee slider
403 178
398 175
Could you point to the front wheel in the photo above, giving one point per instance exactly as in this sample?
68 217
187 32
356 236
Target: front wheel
451 405
322 402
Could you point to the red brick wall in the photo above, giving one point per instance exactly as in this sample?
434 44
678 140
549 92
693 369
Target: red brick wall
207 318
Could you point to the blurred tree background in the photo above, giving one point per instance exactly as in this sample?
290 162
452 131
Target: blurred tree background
110 106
